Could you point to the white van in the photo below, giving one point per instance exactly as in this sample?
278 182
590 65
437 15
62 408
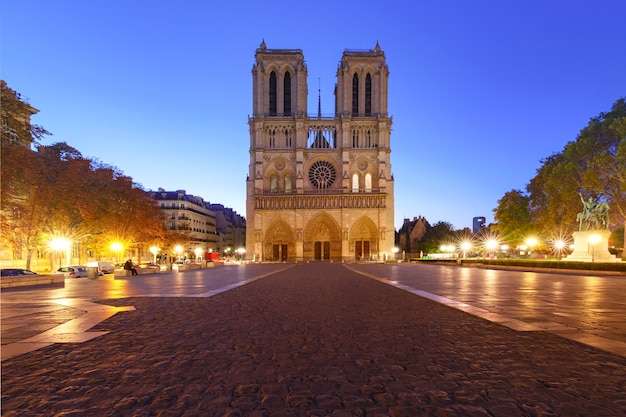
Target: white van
105 267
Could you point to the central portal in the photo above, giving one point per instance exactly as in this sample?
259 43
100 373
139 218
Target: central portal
322 238
322 251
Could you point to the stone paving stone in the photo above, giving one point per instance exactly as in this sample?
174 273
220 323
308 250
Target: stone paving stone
315 340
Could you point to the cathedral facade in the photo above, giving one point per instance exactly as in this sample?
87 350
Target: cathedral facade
319 188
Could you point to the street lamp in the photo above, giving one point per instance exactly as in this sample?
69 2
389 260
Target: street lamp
178 250
394 250
117 248
491 245
559 246
465 247
61 244
154 250
594 240
198 252
531 242
241 252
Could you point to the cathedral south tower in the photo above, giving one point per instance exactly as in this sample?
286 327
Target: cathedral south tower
319 187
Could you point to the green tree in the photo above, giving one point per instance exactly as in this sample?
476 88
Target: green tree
512 216
593 165
436 235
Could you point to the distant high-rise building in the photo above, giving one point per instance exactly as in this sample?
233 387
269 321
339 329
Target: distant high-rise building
478 224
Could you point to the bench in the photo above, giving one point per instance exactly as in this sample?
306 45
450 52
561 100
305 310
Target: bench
25 280
187 267
140 271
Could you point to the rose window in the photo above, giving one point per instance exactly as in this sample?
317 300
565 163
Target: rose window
322 174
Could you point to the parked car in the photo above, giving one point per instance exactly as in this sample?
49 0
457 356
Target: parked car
104 267
14 272
72 271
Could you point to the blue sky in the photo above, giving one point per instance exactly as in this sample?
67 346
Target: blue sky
479 91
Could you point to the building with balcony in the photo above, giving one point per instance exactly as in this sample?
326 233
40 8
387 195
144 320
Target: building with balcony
190 217
319 188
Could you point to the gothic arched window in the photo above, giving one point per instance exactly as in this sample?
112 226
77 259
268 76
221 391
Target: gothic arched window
368 183
287 94
355 95
273 183
288 183
368 95
355 183
273 94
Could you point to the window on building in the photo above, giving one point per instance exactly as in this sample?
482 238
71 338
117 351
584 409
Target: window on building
355 183
288 141
368 183
272 138
355 95
273 183
273 94
368 95
322 137
355 138
288 185
287 94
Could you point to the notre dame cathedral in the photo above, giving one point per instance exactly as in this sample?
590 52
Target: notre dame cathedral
319 187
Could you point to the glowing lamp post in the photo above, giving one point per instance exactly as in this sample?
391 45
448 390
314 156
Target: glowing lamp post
178 250
491 245
394 250
198 252
447 249
559 246
61 244
531 242
594 240
117 248
154 250
465 247
241 252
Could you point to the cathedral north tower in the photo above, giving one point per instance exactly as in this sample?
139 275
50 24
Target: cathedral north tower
319 187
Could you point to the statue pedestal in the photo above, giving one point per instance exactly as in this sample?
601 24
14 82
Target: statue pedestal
585 251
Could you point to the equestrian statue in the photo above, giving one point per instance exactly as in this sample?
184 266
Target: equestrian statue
594 215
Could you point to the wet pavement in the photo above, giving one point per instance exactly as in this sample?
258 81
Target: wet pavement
318 339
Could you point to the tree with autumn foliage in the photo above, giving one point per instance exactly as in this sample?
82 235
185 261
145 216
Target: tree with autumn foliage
56 192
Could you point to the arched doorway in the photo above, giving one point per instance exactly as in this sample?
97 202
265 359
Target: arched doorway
364 239
322 239
279 242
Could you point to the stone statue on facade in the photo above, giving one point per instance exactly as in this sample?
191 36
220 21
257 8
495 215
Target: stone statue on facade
594 215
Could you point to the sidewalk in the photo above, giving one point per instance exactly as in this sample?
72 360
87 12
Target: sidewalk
311 340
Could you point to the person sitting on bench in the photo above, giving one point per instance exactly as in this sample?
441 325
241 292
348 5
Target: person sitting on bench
128 265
